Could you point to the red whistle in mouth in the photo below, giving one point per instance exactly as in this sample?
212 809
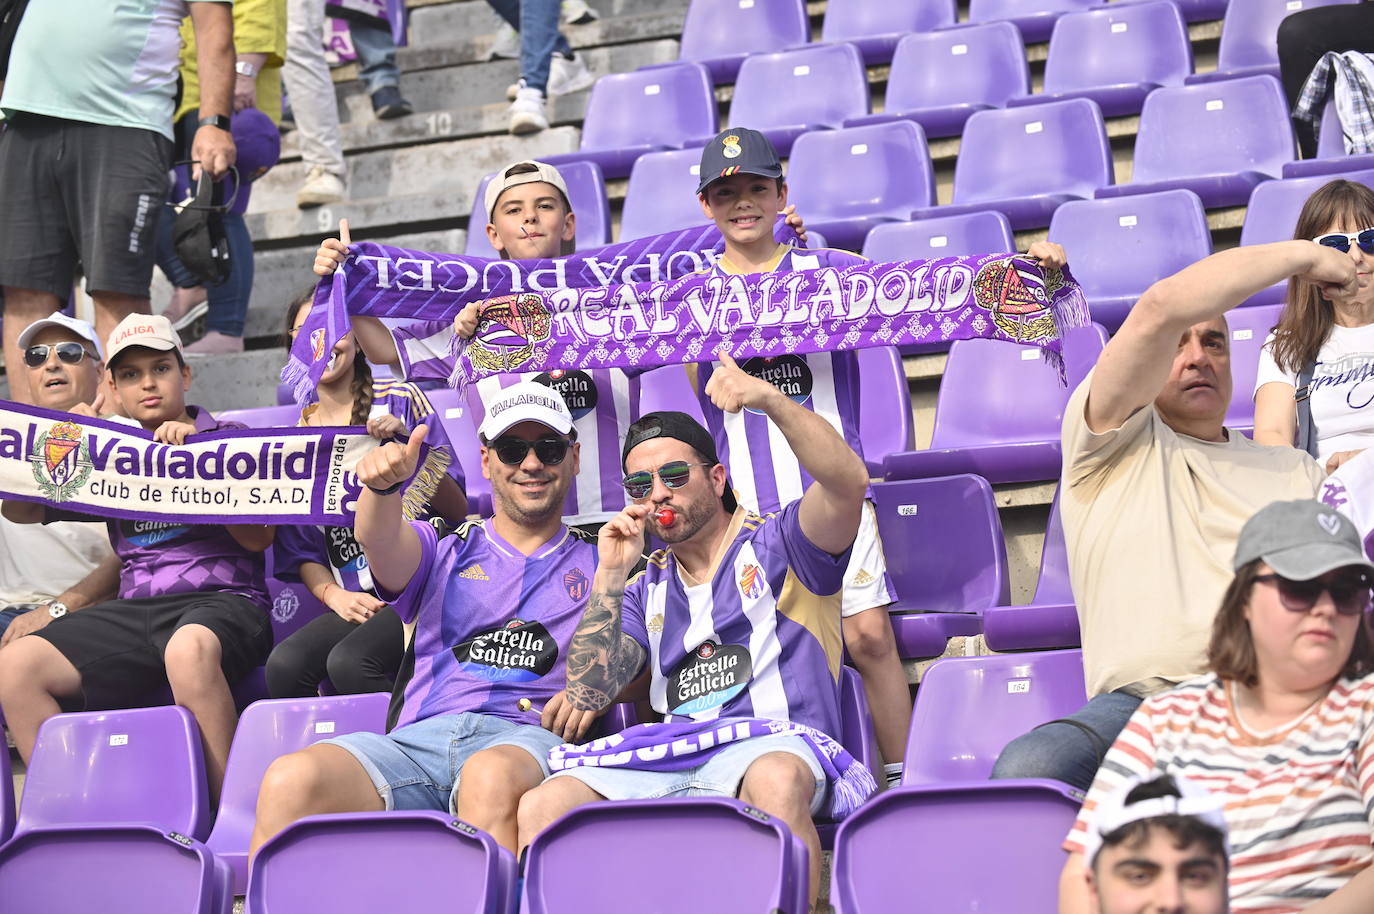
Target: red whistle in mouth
665 517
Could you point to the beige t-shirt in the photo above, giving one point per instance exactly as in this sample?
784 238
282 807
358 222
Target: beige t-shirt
1151 519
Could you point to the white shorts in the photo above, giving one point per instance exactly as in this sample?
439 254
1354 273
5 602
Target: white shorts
866 582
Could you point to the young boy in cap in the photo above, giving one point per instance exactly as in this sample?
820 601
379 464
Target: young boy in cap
192 609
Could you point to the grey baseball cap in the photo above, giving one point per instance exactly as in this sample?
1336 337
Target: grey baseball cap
1301 540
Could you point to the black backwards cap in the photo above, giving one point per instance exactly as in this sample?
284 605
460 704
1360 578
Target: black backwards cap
738 151
672 424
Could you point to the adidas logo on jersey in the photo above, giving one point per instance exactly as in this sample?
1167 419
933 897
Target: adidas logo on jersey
863 577
474 573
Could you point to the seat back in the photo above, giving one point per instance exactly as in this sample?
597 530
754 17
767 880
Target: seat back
1118 45
980 64
668 387
857 733
1007 694
884 407
1250 30
815 85
726 28
387 861
1035 18
655 107
138 766
752 859
964 235
1227 127
462 434
586 195
871 18
6 796
875 170
1054 148
1053 584
1249 329
284 416
942 538
662 194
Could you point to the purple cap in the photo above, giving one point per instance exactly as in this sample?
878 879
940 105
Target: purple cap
258 142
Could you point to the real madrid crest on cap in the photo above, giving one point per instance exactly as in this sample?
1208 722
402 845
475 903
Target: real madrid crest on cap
730 147
738 151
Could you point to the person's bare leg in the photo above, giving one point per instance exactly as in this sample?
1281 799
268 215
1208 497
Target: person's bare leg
319 779
198 685
868 636
22 307
113 307
782 785
490 787
33 676
545 803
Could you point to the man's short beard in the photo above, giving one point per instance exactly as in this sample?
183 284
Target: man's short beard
694 517
524 514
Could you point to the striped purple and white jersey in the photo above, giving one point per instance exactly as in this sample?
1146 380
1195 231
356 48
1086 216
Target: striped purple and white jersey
759 638
764 471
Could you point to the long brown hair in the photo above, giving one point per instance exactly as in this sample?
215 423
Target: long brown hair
360 390
1307 317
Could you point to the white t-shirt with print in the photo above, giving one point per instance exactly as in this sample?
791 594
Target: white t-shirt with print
1342 389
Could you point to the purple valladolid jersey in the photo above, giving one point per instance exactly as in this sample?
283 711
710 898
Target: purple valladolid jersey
763 469
761 638
491 625
163 557
603 402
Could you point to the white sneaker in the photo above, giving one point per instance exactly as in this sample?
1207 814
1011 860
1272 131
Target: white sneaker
507 44
527 112
320 187
568 75
577 12
512 90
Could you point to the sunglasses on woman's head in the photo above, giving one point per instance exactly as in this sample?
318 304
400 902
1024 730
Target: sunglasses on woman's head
1342 241
549 451
71 353
674 475
1350 591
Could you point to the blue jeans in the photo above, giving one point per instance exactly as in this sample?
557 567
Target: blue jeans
537 23
1070 749
376 51
13 611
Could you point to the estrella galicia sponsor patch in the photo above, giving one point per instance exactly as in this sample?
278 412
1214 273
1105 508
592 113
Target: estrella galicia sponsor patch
577 387
517 651
788 373
576 584
150 532
708 677
344 552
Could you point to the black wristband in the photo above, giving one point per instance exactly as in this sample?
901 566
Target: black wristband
389 490
216 120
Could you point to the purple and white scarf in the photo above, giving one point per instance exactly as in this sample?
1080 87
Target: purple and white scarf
688 744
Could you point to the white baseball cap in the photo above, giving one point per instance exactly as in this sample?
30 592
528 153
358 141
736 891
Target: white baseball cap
525 401
1114 812
504 180
81 328
151 331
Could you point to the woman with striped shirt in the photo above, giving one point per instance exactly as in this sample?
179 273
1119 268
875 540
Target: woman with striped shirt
1282 729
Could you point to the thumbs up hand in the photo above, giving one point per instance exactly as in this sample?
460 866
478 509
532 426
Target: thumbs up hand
393 463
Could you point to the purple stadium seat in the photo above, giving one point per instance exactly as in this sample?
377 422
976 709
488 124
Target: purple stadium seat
629 114
990 846
121 868
999 411
788 93
946 236
662 195
1218 140
1202 10
1118 248
586 194
6 794
1116 56
1050 620
284 416
462 433
1007 694
266 731
1249 329
943 542
667 387
847 181
1035 18
940 78
876 26
744 860
139 766
1025 162
386 861
885 405
1249 37
856 722
1331 158
721 33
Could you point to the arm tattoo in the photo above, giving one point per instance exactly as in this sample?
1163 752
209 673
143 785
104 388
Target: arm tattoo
602 659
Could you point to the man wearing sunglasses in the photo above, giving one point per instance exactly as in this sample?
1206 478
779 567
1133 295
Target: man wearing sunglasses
48 571
738 619
490 609
1155 491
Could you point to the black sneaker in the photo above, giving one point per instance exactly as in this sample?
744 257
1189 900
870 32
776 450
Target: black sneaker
388 103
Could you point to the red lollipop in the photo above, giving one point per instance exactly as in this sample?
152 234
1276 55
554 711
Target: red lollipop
665 517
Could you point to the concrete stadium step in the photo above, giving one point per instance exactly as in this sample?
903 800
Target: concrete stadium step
236 380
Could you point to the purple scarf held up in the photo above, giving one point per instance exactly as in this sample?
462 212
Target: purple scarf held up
678 746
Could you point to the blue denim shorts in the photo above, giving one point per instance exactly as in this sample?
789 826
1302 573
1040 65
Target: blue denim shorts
417 766
720 775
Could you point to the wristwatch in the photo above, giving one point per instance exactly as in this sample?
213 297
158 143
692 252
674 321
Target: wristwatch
244 68
57 609
216 120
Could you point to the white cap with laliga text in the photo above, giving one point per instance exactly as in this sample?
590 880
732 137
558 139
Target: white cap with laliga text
81 328
151 331
525 401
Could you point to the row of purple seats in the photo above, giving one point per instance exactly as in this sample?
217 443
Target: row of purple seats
1331 156
1249 35
1050 620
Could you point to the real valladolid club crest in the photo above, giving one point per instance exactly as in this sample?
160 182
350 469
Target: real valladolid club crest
508 331
61 461
1018 299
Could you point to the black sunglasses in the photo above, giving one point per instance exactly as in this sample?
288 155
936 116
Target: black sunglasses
674 475
549 451
1350 592
1341 241
71 353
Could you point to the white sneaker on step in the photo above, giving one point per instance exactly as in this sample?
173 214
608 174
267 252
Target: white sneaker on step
507 44
320 187
527 113
568 75
577 12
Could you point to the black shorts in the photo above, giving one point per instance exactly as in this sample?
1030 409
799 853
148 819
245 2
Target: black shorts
117 646
80 193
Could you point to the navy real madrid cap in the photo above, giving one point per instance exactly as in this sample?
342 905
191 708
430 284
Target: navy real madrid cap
738 151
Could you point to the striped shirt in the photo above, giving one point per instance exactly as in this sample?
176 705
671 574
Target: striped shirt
1299 804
